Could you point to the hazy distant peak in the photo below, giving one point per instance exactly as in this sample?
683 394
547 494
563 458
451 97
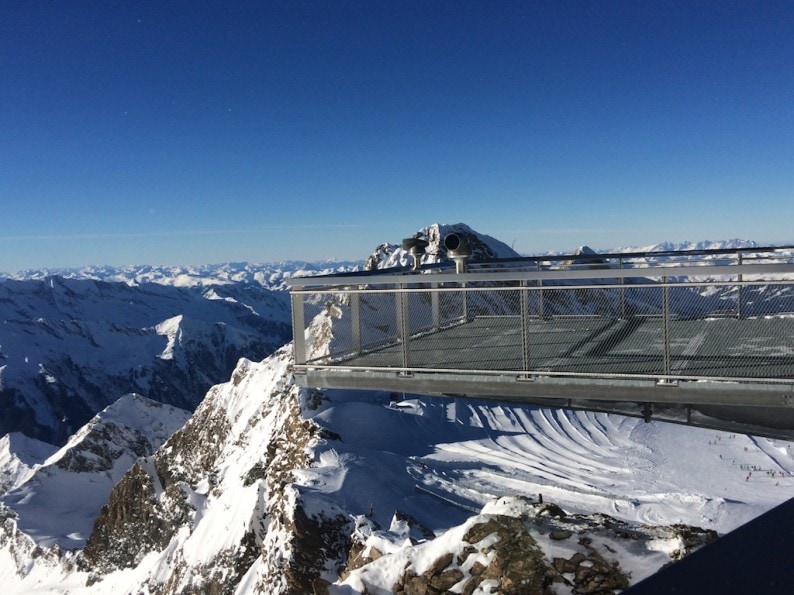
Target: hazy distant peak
688 245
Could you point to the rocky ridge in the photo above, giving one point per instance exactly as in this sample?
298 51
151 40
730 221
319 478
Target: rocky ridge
238 452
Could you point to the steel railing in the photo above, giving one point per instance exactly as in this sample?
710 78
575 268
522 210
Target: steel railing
698 315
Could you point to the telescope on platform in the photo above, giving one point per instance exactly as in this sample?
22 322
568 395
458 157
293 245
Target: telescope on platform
458 249
416 248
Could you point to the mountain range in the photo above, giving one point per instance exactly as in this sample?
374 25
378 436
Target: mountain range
267 275
240 481
71 347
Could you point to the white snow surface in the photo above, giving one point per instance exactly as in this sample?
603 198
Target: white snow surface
468 452
20 455
55 501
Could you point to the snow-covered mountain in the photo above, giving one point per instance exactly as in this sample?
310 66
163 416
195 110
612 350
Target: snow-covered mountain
56 502
344 492
700 245
270 488
70 347
268 275
482 247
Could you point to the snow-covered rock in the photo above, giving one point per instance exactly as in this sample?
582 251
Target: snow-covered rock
215 508
518 546
483 247
57 502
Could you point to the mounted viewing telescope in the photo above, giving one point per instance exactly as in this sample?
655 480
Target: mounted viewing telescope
416 248
458 249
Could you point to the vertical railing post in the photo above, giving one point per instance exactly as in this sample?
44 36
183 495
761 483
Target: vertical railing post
622 291
434 306
465 302
402 317
740 293
540 295
298 328
355 321
666 328
524 301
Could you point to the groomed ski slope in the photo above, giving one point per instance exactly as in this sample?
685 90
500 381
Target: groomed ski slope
460 454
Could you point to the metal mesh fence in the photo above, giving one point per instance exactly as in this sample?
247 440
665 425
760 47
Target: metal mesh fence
605 328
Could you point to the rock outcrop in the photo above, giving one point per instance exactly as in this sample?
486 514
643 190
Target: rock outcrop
518 546
224 484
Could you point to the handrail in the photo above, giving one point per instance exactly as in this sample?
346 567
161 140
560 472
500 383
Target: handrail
387 277
650 319
571 266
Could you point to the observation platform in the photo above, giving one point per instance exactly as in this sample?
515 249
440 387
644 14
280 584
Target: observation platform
698 337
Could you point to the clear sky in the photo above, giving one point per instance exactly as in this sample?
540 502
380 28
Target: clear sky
193 132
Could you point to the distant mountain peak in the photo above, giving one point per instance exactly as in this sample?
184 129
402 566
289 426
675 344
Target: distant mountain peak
483 247
687 245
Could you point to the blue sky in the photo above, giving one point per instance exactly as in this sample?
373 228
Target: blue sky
205 132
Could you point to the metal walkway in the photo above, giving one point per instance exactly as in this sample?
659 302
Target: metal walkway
701 337
600 346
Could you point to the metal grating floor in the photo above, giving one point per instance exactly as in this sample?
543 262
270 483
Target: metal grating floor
719 348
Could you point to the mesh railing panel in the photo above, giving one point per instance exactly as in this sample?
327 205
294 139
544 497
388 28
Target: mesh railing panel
638 328
378 320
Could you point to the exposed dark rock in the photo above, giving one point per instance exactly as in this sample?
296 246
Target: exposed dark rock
516 563
441 564
560 534
549 509
130 525
99 449
316 541
594 575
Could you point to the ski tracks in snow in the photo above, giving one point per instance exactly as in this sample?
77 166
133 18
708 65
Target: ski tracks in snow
570 456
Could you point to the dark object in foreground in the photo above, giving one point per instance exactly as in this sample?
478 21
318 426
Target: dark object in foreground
755 558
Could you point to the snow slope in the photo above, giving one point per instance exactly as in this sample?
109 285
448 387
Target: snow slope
467 452
19 457
56 502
